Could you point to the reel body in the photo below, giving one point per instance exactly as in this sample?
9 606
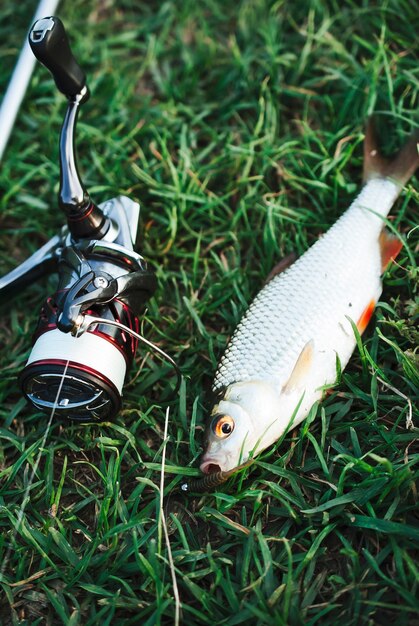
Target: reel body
75 369
77 373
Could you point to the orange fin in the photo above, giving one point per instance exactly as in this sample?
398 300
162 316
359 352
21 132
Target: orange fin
390 246
400 168
301 368
281 266
366 315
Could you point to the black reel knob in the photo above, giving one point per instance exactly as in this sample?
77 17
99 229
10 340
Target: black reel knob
50 45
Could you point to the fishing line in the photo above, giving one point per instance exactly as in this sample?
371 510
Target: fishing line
89 320
165 529
86 323
26 496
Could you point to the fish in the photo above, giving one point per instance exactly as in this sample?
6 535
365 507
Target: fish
299 331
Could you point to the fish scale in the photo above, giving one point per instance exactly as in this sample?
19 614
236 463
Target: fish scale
316 293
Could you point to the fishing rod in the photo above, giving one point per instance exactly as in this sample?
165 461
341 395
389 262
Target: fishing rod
88 330
19 80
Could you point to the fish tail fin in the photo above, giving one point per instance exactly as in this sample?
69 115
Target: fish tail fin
400 168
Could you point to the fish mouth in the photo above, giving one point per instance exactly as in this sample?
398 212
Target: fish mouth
209 467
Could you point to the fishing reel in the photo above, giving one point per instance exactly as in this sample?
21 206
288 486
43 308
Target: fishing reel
88 330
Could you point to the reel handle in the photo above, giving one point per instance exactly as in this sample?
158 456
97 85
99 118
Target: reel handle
50 45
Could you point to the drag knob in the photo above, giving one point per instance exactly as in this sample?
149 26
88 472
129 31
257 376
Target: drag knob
50 45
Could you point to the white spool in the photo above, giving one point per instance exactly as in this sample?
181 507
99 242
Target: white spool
89 350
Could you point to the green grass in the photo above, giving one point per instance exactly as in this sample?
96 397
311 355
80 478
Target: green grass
239 127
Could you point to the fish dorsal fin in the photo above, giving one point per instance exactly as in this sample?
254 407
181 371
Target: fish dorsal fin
281 266
400 168
301 368
390 246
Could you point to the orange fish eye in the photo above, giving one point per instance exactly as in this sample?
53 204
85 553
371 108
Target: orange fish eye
222 426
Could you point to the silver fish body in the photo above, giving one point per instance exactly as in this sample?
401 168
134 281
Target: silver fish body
285 349
314 299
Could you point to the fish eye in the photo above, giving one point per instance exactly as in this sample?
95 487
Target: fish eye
222 426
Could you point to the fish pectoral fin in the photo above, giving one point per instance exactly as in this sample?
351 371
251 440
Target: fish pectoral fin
390 246
301 369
